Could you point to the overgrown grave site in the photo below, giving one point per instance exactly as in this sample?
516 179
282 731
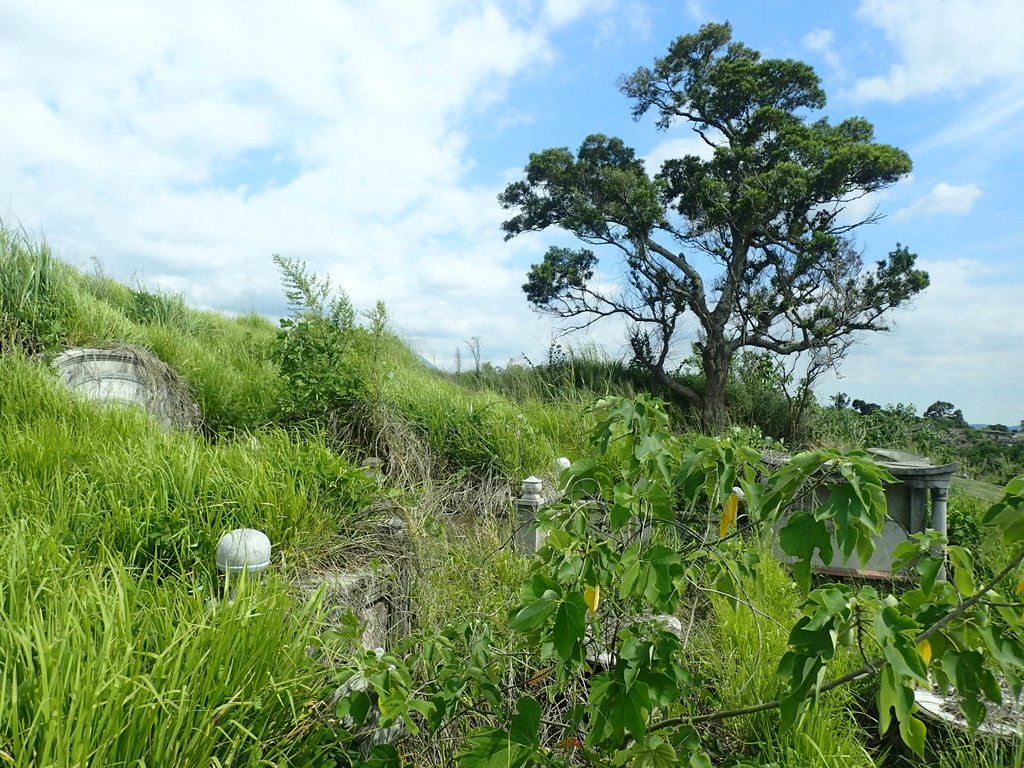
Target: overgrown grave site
653 625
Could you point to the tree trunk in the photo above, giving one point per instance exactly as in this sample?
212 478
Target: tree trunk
716 373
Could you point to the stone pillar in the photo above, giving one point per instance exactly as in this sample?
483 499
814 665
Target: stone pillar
399 618
918 508
527 536
372 468
939 497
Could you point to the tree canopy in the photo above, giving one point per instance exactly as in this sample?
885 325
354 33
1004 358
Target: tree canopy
753 241
943 410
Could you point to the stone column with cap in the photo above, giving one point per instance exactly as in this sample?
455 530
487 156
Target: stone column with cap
399 622
527 536
939 497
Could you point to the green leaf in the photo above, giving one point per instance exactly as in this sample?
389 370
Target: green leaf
655 753
526 723
516 748
383 756
928 570
650 442
494 749
569 625
616 710
533 616
913 733
800 538
804 673
887 694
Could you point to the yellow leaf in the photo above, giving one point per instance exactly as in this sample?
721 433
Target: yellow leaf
924 650
729 509
592 597
1020 586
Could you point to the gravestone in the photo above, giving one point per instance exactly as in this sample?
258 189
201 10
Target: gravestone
132 377
915 502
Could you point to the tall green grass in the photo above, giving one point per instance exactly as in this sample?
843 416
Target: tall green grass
32 292
102 664
111 478
963 751
477 431
474 430
738 648
115 648
225 360
46 305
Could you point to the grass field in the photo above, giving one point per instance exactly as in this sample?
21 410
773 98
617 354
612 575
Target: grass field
118 645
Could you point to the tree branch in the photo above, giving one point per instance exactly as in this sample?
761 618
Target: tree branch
863 671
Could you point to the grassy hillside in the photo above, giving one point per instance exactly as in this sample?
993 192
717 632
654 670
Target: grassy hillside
115 645
119 644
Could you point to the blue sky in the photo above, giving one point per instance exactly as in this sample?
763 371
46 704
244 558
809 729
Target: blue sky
181 144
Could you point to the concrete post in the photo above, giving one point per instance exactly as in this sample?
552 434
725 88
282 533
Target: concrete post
918 508
372 468
399 618
527 536
939 497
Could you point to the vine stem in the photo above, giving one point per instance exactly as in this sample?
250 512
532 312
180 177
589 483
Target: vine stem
863 671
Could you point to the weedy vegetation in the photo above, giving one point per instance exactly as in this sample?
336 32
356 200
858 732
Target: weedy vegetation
654 626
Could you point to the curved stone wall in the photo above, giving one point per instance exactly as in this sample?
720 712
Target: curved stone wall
127 376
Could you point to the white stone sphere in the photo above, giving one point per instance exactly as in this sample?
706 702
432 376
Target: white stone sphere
243 549
562 463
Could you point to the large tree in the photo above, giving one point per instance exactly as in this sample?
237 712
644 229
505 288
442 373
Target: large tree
752 242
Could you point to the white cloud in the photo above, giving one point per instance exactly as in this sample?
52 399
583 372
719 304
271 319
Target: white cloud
990 125
947 45
819 39
696 9
142 136
676 148
961 340
560 12
944 198
822 41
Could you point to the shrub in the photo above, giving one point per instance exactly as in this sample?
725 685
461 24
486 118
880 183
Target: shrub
315 350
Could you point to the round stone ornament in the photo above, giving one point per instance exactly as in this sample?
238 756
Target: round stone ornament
243 549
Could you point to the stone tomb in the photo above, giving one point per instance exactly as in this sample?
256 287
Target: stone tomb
129 376
915 502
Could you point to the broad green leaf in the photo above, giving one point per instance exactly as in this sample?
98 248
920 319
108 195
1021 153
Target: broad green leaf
887 696
515 748
804 673
383 756
494 749
617 711
655 753
538 585
526 723
964 670
800 538
569 625
649 443
928 570
533 616
913 733
895 632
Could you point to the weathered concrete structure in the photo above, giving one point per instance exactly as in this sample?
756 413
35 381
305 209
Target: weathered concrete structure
915 502
128 376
